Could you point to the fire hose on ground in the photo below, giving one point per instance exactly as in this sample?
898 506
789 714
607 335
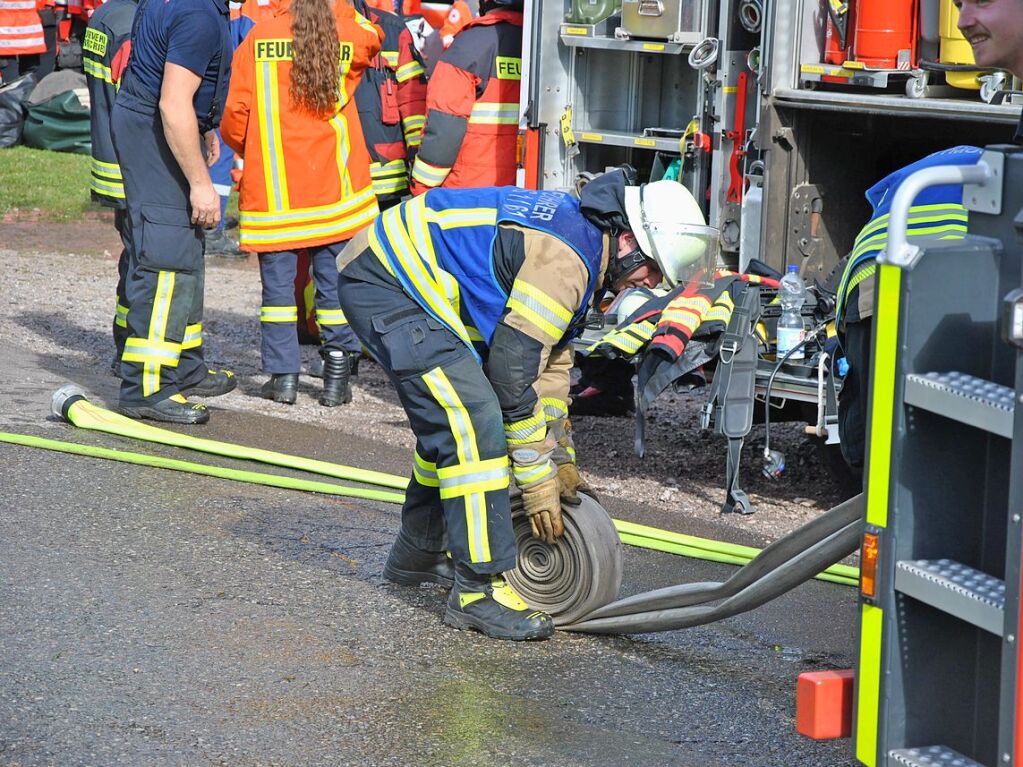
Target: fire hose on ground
576 580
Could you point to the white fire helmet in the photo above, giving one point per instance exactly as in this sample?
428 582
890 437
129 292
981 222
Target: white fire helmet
670 228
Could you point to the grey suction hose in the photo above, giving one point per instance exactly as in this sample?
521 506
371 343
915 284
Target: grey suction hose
770 559
784 578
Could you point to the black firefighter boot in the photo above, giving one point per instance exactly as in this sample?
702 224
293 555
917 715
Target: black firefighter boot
337 387
488 604
410 565
282 387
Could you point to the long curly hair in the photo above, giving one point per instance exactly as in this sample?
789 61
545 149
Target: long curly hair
316 66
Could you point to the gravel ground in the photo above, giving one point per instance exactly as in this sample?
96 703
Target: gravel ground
57 297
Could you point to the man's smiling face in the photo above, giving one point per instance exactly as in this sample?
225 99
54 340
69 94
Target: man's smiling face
994 29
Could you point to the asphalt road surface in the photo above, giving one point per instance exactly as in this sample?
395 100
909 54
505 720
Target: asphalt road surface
150 617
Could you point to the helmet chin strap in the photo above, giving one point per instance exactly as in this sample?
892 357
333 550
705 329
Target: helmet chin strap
621 266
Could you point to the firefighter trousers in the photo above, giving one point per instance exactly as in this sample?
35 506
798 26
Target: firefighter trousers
458 493
164 280
279 313
122 223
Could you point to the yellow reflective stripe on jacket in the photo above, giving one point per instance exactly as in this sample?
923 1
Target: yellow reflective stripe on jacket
629 339
495 113
413 128
425 471
539 309
193 336
109 188
407 71
532 429
414 250
390 58
309 223
479 477
340 126
467 451
458 217
278 314
389 177
331 317
270 135
554 408
106 169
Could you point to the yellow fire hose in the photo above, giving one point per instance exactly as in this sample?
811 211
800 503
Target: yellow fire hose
70 404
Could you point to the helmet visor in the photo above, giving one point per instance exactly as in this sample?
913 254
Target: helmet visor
684 252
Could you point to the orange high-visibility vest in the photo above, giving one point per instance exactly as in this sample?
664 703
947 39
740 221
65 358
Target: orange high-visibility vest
21 32
306 180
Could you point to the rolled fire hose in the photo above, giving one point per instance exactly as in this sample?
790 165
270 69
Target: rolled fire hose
579 573
751 15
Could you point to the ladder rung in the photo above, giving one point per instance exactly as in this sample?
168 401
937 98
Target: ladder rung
965 398
955 588
930 756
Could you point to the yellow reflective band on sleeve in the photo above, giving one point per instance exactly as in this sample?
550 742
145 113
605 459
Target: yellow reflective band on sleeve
540 310
326 317
464 479
495 114
390 177
508 68
121 315
629 339
193 336
531 473
407 71
108 187
427 174
532 429
467 452
95 69
868 684
390 58
554 408
882 395
425 472
106 169
278 314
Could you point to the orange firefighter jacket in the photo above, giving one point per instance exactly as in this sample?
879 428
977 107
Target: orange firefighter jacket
306 180
21 32
472 108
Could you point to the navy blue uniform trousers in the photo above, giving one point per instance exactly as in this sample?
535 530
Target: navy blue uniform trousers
164 282
279 313
459 483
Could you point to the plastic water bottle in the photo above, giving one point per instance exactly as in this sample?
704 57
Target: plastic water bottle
791 331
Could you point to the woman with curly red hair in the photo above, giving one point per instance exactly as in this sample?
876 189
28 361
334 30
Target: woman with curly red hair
306 184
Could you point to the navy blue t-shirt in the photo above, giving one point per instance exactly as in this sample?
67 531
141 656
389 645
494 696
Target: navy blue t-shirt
194 34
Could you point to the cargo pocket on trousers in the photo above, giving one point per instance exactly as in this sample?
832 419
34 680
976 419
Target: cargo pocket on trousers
169 242
414 343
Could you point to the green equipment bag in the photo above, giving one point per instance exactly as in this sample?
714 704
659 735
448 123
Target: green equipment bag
60 123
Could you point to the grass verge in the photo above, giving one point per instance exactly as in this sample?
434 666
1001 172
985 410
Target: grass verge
54 183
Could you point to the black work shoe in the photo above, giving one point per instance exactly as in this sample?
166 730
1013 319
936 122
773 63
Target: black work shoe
489 605
337 387
282 387
215 383
410 566
315 368
174 409
219 244
115 368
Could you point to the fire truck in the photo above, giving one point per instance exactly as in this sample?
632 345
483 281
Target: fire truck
777 115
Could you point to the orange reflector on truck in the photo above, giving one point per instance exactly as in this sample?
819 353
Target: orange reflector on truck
868 566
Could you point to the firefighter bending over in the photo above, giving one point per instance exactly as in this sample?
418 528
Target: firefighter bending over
469 299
